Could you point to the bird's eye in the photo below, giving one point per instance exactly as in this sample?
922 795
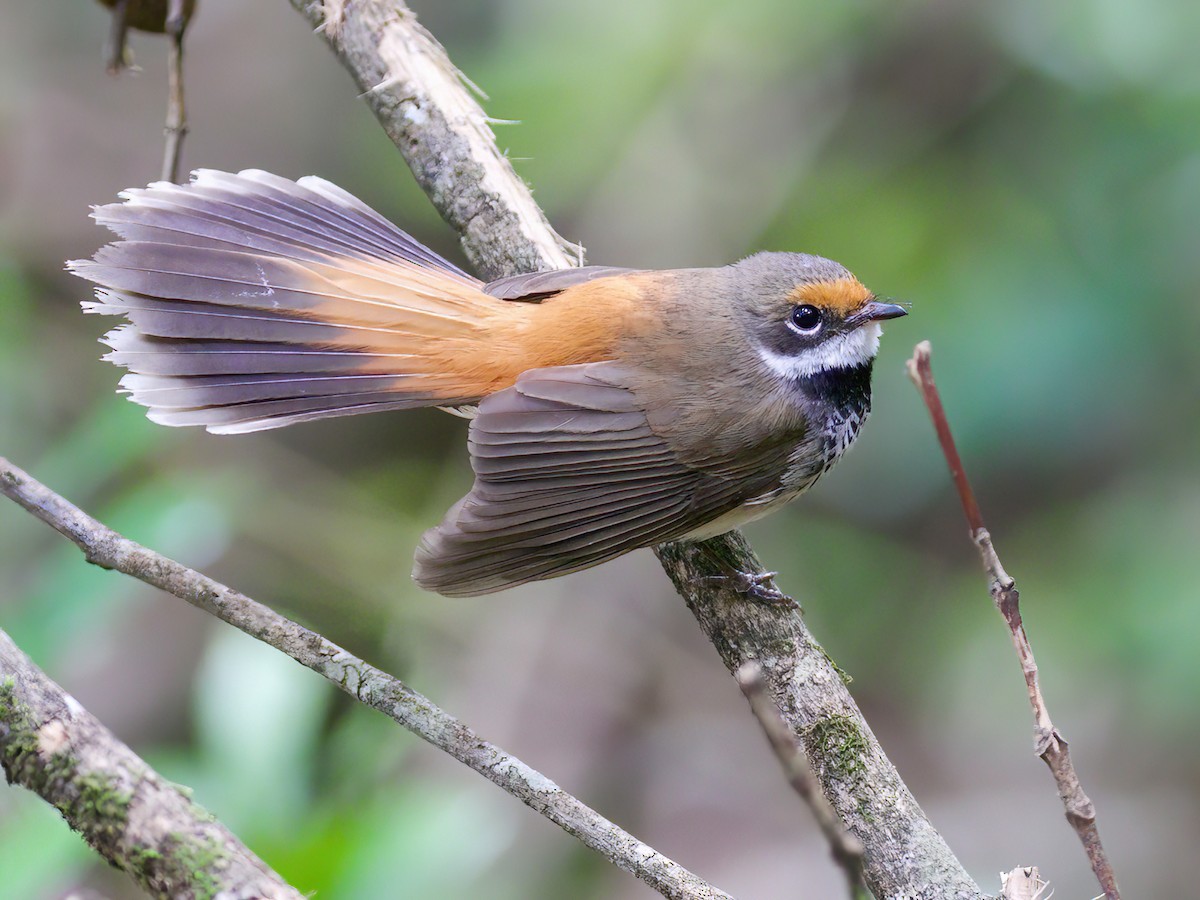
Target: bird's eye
806 318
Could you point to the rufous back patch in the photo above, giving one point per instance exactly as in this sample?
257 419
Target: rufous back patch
844 296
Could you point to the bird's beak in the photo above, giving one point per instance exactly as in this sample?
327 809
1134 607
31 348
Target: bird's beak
874 311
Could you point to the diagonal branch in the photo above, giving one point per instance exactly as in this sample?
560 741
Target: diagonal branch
905 855
847 850
425 106
132 816
1049 744
428 110
106 548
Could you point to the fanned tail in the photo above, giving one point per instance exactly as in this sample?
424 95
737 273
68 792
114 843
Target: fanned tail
254 302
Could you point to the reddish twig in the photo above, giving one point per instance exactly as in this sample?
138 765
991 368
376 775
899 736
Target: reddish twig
1049 744
846 848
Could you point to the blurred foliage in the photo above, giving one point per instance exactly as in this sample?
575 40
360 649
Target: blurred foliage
1027 175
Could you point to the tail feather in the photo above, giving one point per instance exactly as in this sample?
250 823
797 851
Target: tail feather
256 280
316 217
170 392
401 244
208 215
190 320
166 216
144 355
253 302
323 209
249 417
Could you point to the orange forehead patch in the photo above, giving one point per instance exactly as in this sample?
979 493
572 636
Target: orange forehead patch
844 296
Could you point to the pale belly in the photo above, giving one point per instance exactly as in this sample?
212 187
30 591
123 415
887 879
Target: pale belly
739 516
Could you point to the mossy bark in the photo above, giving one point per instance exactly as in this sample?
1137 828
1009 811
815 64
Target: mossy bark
138 821
905 855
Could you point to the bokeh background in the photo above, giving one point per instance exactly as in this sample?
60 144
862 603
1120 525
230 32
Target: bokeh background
1027 175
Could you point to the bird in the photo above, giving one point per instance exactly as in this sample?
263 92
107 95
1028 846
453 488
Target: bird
611 408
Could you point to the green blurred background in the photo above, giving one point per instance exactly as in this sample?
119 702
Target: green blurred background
1027 175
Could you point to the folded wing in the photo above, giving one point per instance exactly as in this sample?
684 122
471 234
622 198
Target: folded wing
568 474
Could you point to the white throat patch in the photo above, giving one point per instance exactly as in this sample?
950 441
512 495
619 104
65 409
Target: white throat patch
845 351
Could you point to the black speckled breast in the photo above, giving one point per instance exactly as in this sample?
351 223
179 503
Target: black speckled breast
838 402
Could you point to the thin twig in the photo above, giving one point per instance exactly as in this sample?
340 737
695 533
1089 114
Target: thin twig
106 548
426 107
847 850
176 127
1049 744
131 815
169 17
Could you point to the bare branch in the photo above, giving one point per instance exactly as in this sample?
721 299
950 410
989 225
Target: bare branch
424 105
1048 743
428 110
169 17
132 816
175 24
846 848
106 548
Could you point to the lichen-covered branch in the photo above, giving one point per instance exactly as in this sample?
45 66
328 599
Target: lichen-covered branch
131 816
106 548
847 850
905 855
424 104
1048 743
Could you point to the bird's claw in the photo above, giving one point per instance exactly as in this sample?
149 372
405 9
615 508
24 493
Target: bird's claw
755 585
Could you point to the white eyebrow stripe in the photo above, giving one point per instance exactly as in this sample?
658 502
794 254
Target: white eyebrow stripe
844 351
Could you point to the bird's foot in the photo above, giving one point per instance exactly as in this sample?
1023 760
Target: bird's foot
756 586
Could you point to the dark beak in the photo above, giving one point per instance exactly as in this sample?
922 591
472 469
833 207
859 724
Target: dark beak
874 311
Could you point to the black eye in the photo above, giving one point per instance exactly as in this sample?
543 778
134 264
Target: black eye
806 318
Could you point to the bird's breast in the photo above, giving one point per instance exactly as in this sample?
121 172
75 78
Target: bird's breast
811 457
837 403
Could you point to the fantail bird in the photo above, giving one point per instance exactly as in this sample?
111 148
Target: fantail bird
611 408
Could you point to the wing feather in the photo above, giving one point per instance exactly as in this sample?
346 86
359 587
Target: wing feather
533 287
568 474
